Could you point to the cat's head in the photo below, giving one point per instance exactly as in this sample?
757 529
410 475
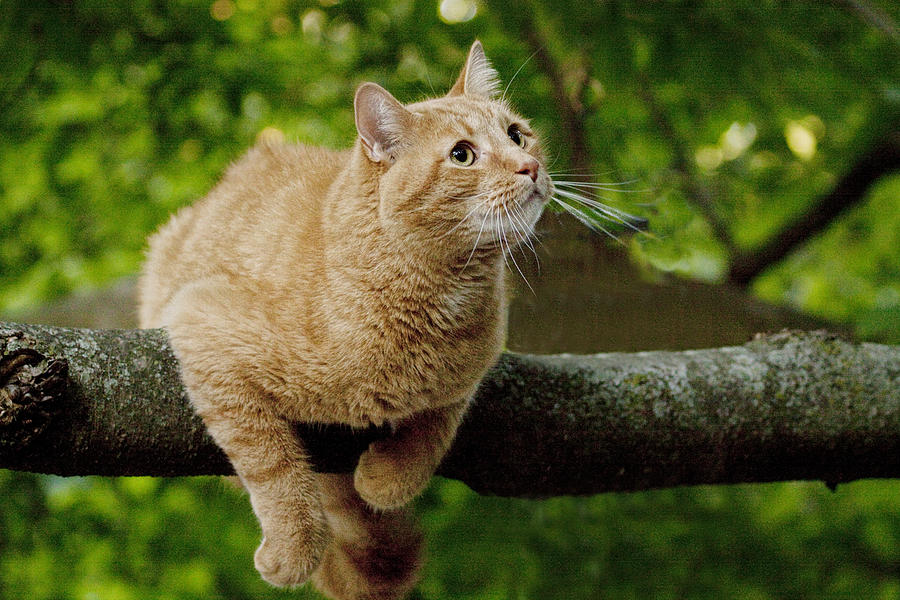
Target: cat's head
462 170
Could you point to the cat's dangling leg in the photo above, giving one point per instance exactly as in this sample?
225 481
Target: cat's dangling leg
376 552
283 493
393 471
374 555
216 361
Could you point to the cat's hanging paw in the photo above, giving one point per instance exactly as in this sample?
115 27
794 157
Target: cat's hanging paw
386 483
288 561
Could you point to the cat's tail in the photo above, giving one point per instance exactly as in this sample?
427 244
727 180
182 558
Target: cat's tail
374 555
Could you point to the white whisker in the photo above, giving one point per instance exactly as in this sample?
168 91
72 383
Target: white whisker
471 196
585 173
628 182
607 187
512 257
464 219
584 218
592 198
513 78
521 220
591 176
613 214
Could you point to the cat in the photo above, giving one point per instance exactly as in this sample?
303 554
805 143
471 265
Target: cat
359 287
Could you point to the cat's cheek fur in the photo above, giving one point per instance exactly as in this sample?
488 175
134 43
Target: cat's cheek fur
404 192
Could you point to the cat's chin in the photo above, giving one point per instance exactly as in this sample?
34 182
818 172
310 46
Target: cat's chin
507 240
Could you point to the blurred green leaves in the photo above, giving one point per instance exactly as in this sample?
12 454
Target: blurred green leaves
115 114
139 538
785 541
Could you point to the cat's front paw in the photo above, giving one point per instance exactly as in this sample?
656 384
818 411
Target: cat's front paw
289 561
385 483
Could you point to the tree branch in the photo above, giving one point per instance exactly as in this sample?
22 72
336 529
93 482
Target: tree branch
874 16
698 195
881 160
787 406
569 102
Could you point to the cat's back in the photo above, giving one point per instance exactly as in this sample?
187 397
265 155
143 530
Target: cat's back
262 221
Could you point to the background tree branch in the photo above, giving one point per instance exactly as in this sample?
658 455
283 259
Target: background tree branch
880 161
786 406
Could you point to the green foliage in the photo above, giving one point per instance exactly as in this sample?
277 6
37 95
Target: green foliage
136 538
112 115
790 540
852 272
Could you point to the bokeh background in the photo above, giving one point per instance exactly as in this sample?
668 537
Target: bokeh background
760 139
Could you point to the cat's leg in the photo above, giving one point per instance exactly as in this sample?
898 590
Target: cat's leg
283 493
216 349
374 555
393 471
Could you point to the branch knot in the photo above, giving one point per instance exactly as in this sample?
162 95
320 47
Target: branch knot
29 383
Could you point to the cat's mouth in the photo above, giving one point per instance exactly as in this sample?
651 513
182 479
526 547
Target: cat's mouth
505 224
536 195
516 225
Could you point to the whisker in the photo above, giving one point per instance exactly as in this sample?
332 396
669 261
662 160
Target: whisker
637 223
551 163
613 214
609 187
592 176
498 229
430 84
584 218
464 219
477 239
518 226
471 196
585 174
513 258
593 198
595 204
513 78
520 220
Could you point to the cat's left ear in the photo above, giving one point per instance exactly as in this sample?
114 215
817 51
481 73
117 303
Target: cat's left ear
478 77
381 122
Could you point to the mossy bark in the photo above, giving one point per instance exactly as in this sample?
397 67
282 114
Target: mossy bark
788 406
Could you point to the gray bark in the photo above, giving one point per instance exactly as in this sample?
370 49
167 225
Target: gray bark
786 406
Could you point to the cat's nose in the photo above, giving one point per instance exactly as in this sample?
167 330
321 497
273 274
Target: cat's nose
529 167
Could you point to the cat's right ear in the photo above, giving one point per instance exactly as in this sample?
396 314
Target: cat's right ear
478 77
381 122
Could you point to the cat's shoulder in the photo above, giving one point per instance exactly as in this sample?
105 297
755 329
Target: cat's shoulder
273 153
270 166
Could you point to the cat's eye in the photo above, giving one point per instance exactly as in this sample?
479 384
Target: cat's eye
515 135
462 154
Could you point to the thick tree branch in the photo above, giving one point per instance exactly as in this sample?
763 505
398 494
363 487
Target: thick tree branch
787 406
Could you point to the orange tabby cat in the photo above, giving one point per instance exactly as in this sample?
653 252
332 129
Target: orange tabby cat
357 287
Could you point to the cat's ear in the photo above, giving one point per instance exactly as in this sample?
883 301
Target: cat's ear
381 121
478 77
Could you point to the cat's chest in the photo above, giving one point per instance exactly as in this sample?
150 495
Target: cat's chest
424 355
